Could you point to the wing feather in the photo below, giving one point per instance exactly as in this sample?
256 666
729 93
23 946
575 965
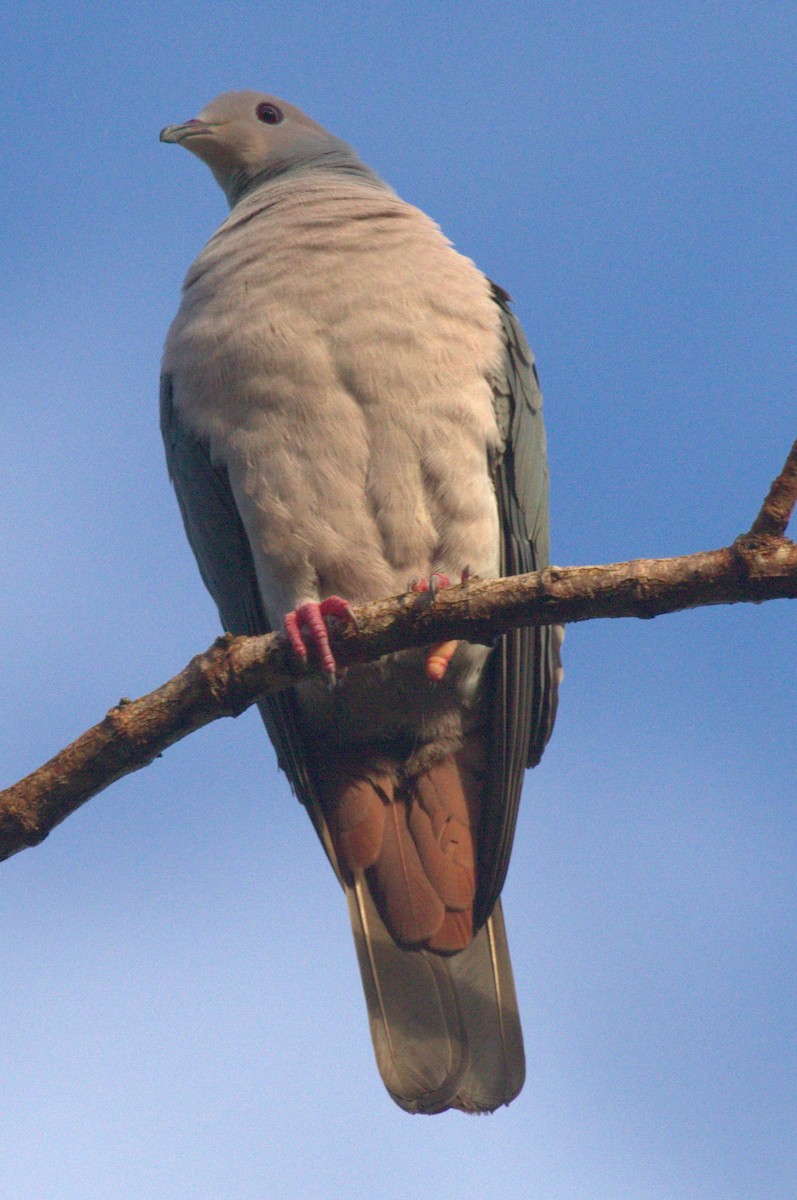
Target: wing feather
221 547
525 665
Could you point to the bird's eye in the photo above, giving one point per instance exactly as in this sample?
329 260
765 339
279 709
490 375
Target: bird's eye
269 113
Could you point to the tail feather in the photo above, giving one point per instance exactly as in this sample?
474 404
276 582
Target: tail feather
483 974
440 823
415 840
441 1000
446 1031
406 896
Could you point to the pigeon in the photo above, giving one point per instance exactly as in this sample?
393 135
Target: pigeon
350 410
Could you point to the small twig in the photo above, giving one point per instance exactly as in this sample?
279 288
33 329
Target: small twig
777 508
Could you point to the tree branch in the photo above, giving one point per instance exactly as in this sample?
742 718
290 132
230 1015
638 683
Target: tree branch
777 508
236 671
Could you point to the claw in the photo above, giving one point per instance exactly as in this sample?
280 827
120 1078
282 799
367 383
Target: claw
434 584
307 622
334 606
294 635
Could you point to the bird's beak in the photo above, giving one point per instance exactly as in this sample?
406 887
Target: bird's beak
180 133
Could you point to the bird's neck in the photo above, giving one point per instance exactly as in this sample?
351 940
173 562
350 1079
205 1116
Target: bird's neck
337 159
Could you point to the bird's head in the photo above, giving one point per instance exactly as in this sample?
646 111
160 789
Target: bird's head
249 137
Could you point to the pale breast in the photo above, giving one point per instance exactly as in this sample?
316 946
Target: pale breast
337 352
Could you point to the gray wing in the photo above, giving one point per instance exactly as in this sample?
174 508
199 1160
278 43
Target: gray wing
525 664
221 548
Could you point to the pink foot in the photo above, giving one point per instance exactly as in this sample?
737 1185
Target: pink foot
437 582
439 656
307 622
433 584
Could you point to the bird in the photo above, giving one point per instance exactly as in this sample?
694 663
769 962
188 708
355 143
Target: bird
350 409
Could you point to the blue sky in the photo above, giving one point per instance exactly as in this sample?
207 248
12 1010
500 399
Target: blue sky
180 1009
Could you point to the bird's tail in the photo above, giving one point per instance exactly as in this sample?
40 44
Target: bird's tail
446 1029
